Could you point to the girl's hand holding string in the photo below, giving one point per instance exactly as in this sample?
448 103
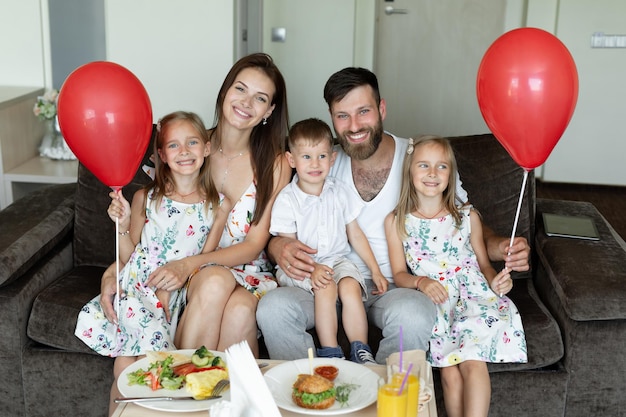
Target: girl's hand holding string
502 283
119 210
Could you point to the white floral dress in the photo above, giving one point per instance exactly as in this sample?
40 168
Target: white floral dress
474 324
255 276
174 231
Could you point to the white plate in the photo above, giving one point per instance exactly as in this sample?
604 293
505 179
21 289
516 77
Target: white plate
145 391
280 381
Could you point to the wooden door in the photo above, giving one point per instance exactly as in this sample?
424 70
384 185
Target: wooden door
426 58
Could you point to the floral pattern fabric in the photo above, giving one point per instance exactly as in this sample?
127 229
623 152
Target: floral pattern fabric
255 276
474 323
172 231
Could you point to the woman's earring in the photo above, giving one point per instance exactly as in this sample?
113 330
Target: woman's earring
264 121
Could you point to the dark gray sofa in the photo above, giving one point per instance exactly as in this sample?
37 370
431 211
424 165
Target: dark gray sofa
56 242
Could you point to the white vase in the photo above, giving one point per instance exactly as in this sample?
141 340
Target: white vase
53 145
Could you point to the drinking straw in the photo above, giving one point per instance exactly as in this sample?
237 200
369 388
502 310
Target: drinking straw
400 349
311 360
406 377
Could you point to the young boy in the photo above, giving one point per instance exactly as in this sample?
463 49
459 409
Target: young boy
318 211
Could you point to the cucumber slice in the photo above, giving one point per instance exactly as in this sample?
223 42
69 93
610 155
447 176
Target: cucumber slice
217 361
200 361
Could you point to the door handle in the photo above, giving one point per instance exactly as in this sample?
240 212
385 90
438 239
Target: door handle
389 10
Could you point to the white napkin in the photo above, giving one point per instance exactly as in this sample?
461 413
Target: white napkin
249 394
221 409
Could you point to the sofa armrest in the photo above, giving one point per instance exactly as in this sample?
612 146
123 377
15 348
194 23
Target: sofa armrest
32 226
587 276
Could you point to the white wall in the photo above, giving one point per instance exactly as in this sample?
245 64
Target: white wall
181 51
593 146
21 43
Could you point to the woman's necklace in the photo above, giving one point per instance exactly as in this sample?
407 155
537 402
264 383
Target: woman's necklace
228 159
427 217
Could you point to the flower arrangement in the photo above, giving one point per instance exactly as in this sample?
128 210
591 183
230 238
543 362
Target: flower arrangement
46 105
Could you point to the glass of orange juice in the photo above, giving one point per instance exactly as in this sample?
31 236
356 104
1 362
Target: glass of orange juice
412 387
391 401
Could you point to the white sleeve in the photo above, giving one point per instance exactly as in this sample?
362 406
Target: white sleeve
461 194
283 219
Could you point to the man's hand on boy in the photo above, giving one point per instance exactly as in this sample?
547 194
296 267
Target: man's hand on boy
293 257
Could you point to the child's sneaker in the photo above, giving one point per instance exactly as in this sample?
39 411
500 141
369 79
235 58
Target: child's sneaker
330 352
361 353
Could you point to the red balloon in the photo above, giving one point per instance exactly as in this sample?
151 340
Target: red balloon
527 87
105 116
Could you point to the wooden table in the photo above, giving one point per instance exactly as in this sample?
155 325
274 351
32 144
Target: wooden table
134 410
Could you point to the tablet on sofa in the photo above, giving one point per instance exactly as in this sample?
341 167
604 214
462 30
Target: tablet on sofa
579 227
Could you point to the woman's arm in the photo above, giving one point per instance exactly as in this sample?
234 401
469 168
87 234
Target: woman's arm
217 228
258 235
234 255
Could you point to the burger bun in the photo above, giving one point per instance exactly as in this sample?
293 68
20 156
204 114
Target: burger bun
313 384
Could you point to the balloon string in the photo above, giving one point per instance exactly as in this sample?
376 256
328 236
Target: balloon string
519 207
117 268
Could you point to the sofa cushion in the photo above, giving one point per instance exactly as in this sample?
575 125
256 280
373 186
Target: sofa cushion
494 187
24 240
53 317
592 288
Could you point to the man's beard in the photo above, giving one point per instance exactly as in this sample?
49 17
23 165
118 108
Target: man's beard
361 151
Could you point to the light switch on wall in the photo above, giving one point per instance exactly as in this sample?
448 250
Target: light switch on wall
600 40
279 34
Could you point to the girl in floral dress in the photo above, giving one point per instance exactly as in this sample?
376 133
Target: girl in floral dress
443 246
178 214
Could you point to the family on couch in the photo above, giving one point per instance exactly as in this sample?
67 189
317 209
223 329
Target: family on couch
248 166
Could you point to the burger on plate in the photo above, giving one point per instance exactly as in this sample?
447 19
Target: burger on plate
313 392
